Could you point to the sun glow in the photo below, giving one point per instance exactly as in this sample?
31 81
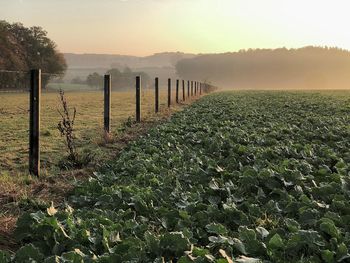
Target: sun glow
142 27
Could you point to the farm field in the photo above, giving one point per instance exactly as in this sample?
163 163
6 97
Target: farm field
235 177
14 134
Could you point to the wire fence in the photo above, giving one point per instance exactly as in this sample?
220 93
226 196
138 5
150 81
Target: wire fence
16 123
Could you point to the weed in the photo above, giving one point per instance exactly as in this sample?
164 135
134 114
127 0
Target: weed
66 128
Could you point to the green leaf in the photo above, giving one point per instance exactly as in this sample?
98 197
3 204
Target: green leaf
276 242
29 253
53 259
218 229
238 244
184 259
342 250
292 225
5 257
304 238
200 252
173 244
73 256
329 227
327 256
246 234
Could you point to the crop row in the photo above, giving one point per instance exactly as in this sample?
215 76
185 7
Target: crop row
235 177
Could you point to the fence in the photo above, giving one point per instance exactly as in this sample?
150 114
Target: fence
196 87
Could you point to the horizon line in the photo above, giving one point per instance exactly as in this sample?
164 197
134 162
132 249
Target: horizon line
209 53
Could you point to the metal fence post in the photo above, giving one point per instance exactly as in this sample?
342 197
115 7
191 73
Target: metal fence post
183 90
188 89
34 122
156 95
169 93
177 91
191 88
107 102
138 99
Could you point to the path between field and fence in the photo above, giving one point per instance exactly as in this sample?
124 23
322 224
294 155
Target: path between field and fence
235 177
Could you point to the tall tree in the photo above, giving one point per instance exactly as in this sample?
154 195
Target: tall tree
24 48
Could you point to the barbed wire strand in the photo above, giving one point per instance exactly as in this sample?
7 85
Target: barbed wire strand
27 72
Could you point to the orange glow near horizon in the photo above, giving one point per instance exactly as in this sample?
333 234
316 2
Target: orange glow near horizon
144 27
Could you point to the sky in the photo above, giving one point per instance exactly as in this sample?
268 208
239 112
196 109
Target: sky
144 27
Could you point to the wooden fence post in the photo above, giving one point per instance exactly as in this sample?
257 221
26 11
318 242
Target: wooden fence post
183 90
195 88
156 95
34 122
169 93
177 90
188 88
138 99
191 88
200 88
107 102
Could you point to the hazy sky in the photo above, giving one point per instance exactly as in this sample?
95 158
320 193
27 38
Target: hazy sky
144 27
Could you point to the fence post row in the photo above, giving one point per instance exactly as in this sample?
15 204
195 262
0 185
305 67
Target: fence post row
177 91
34 122
138 99
169 93
107 102
35 95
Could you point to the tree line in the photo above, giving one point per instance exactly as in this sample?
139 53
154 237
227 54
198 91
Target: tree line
22 49
121 80
304 68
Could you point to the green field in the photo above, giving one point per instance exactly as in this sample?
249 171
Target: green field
236 177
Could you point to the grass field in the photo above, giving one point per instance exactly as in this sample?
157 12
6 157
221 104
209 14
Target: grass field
89 125
235 177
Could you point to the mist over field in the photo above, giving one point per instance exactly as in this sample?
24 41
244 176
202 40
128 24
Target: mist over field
304 68
157 65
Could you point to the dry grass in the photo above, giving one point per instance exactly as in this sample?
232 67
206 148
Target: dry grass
89 122
21 192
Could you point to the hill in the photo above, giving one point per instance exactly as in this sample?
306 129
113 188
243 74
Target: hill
304 68
158 65
166 59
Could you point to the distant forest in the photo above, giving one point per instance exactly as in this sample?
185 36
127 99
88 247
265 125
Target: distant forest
121 80
22 49
304 68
